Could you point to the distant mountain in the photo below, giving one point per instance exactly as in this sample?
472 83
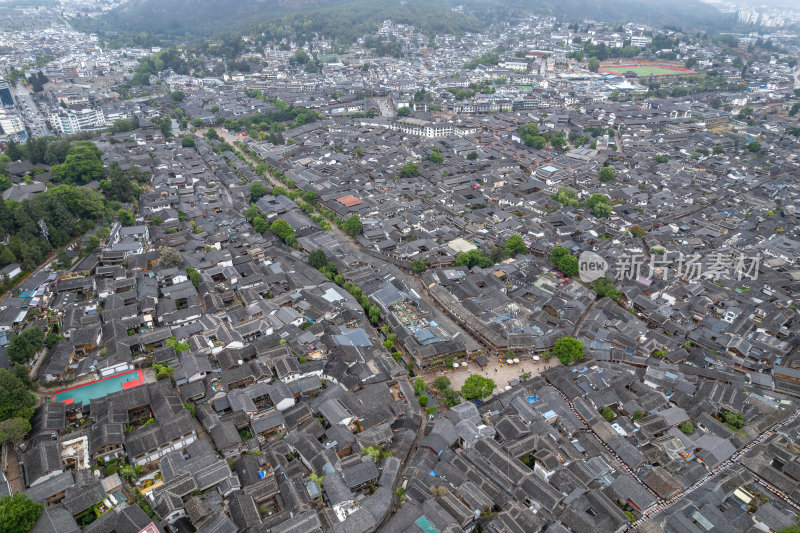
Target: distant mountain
348 19
194 18
680 13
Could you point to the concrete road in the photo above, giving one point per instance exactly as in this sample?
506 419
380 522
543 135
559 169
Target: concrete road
31 115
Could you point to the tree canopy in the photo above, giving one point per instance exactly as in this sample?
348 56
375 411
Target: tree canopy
409 170
352 226
477 387
16 399
515 245
14 430
599 204
317 259
733 419
563 261
81 165
606 174
25 345
257 190
473 258
119 185
568 349
18 513
284 230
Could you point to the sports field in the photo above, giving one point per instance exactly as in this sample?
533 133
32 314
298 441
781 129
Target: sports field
646 70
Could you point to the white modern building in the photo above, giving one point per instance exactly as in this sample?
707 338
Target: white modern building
10 123
68 121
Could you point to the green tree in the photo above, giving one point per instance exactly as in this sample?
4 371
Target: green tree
126 217
194 276
257 190
599 204
409 170
602 210
733 419
515 246
423 400
81 165
260 224
607 413
605 288
127 472
62 259
352 226
595 199
187 141
441 383
568 349
374 314
92 243
16 398
7 256
473 258
567 197
165 126
179 346
477 387
594 64
557 142
117 185
284 230
498 254
450 397
568 264
419 386
18 513
606 174
25 345
14 430
687 427
754 147
251 213
403 112
472 156
317 259
436 157
13 151
419 266
177 96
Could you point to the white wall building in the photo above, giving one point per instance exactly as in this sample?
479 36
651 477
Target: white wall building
68 121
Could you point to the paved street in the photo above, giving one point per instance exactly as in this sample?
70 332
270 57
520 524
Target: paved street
31 115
